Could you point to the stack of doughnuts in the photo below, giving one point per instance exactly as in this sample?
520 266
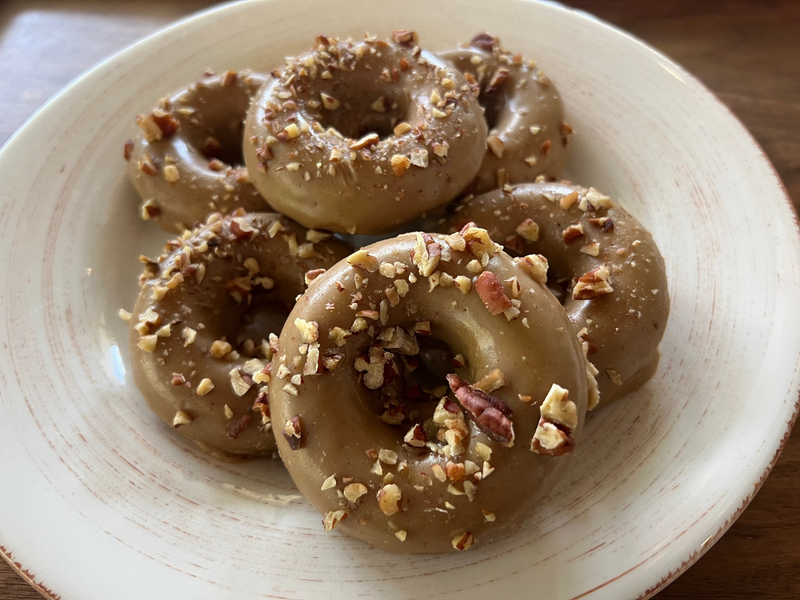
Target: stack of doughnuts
427 391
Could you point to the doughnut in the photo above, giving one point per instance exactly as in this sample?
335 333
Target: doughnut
200 338
610 272
360 137
359 392
527 133
186 162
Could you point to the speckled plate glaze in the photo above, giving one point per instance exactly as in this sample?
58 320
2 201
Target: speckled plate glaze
99 500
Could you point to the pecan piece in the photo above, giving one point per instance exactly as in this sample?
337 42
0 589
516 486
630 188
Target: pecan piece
389 497
416 436
128 149
488 412
593 284
551 440
426 254
497 80
492 293
236 428
293 432
604 223
401 36
484 41
572 232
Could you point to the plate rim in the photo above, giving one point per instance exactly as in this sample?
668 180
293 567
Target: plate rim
723 522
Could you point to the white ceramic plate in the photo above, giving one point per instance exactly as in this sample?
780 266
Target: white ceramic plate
98 499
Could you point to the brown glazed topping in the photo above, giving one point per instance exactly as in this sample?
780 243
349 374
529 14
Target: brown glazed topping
361 137
186 161
602 262
203 331
527 133
408 375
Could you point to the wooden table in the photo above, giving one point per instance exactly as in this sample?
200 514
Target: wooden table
747 53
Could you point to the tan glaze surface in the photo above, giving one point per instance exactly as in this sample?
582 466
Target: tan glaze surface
342 426
221 297
622 327
205 149
523 112
331 176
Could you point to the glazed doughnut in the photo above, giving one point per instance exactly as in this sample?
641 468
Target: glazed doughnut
402 465
360 137
527 133
200 329
187 161
616 285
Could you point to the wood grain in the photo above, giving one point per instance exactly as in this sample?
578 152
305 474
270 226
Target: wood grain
747 53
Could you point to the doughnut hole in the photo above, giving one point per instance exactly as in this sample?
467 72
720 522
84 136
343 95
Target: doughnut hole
265 316
494 105
419 385
361 105
212 122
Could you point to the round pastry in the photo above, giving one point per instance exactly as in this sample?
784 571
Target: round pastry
371 435
360 137
200 331
603 262
187 161
527 133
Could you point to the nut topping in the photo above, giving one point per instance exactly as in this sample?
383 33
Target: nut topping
181 418
389 497
427 253
593 284
572 232
333 517
529 230
463 541
549 440
488 412
558 408
534 265
293 432
492 293
354 491
415 437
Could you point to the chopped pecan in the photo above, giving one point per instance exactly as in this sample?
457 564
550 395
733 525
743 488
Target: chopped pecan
236 428
492 381
128 149
604 223
572 232
558 408
489 413
401 36
550 440
534 265
380 369
312 275
158 125
389 497
242 229
463 541
593 284
399 340
416 437
484 41
293 432
426 254
497 80
492 293
332 517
